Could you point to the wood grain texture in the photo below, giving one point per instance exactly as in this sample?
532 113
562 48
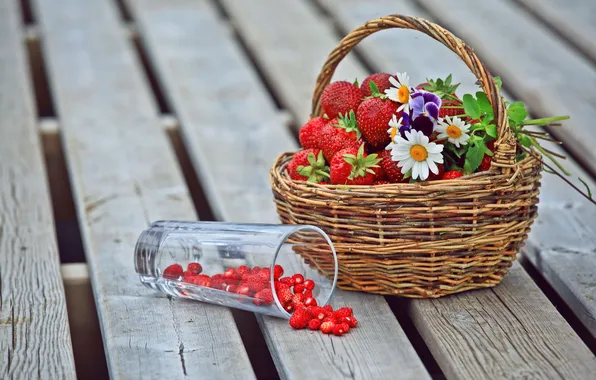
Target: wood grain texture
233 138
564 215
533 62
290 40
124 176
573 19
34 333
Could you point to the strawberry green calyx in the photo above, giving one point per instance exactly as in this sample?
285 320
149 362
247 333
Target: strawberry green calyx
375 93
441 87
317 171
348 123
362 164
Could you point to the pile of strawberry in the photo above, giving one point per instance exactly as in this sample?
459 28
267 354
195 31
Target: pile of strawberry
353 143
294 293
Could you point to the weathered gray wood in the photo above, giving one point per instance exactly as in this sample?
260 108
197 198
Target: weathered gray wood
34 333
234 133
125 175
509 332
290 41
574 19
544 72
571 274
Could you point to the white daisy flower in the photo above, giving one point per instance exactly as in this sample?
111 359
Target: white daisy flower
454 130
417 153
401 91
394 125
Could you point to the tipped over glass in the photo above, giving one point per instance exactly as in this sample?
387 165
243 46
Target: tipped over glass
238 265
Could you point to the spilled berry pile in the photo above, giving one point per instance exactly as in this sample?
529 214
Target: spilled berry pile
294 293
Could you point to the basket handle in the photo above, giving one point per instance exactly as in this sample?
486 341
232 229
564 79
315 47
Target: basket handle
505 146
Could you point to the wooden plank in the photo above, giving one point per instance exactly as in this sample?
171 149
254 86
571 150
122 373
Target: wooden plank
573 19
290 40
35 337
183 37
124 176
548 75
571 275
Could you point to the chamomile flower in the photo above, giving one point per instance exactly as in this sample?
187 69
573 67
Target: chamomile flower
394 126
400 91
415 152
455 130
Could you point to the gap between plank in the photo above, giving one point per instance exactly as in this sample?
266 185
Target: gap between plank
559 303
70 245
250 56
87 344
247 324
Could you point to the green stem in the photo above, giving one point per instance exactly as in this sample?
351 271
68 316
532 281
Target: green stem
543 151
545 120
448 107
449 96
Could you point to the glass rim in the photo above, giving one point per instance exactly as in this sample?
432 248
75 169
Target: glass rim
297 228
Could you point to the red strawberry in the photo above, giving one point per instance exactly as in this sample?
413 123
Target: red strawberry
299 288
373 116
310 301
392 171
433 177
255 270
376 183
202 280
341 329
194 268
298 299
344 133
231 275
381 80
485 164
343 312
318 312
330 319
264 296
314 324
444 112
307 165
289 307
310 133
351 321
298 278
353 167
173 271
307 293
491 145
242 270
309 284
278 271
327 327
452 174
340 97
299 320
244 290
264 274
218 281
328 308
287 280
231 288
256 282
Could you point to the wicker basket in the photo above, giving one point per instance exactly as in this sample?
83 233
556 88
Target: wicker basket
426 239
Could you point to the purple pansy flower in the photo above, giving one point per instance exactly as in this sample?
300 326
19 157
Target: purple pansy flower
425 111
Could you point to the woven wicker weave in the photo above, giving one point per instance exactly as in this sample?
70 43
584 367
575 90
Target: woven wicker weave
424 239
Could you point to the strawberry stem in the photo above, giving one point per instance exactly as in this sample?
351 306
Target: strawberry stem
545 120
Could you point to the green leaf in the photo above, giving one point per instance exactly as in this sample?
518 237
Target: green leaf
373 87
475 153
471 106
517 112
483 103
408 174
356 82
525 140
467 167
491 130
587 187
448 80
498 81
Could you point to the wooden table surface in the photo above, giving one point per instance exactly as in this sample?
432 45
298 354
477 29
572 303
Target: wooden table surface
116 113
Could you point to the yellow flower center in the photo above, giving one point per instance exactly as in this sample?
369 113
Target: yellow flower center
403 94
418 152
393 133
453 131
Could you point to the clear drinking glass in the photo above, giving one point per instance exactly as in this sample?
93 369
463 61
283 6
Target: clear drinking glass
225 251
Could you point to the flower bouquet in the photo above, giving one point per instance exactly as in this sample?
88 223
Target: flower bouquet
424 193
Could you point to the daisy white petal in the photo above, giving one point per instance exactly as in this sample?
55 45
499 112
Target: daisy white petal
423 168
432 166
454 129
